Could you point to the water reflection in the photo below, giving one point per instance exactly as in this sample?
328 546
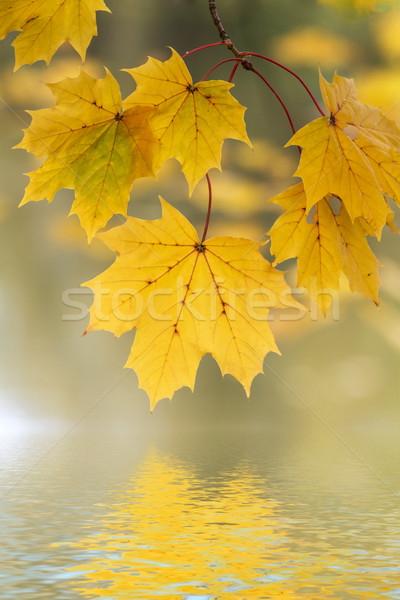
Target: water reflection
172 534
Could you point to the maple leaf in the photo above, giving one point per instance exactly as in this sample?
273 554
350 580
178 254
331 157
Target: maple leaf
191 121
94 144
333 163
325 248
385 162
340 98
46 24
186 299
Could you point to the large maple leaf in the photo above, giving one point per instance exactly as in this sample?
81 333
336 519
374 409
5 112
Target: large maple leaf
325 248
191 120
94 144
186 299
46 24
347 166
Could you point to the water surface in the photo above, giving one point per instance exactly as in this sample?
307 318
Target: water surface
196 515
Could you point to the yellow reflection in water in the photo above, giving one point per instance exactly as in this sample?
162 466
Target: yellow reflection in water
177 536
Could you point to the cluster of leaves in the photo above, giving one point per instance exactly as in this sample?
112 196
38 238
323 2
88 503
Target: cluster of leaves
351 155
187 296
98 144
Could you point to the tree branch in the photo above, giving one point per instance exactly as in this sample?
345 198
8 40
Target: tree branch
221 30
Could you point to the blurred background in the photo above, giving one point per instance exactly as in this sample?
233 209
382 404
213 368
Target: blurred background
331 398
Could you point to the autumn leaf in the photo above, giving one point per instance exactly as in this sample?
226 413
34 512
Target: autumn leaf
186 299
385 162
191 121
340 98
46 24
92 143
333 162
326 248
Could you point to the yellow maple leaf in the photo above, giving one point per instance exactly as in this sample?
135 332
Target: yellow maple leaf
46 24
325 248
93 144
334 158
186 299
345 109
385 162
191 121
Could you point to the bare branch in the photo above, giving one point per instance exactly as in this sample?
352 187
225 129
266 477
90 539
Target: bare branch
222 33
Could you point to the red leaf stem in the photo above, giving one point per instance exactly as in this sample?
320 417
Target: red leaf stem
203 48
209 208
289 71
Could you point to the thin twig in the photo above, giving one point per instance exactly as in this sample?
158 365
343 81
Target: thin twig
243 55
221 30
